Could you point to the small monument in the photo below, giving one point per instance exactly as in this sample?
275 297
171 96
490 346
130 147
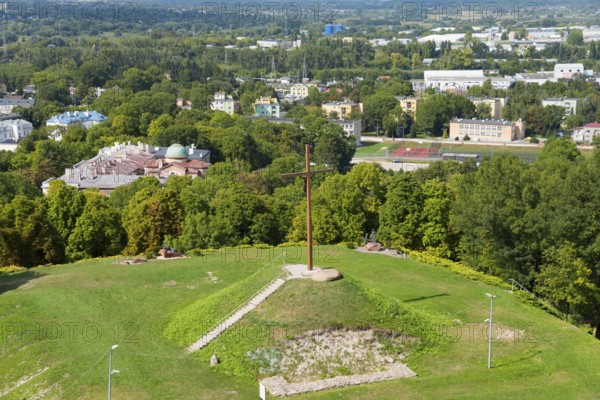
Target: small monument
167 252
214 360
372 244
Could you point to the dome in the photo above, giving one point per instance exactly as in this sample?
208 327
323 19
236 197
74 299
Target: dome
176 151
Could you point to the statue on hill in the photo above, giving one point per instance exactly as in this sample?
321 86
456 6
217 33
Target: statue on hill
372 244
167 252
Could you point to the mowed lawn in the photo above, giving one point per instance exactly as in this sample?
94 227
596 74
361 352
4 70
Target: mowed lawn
97 304
66 317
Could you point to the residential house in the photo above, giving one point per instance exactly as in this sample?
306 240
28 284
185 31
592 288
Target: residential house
568 71
225 103
85 118
459 81
300 90
343 109
535 77
409 105
8 104
266 107
586 133
184 104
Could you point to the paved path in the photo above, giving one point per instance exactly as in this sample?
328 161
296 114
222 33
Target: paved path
295 271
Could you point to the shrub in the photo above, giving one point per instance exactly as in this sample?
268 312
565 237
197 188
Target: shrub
11 268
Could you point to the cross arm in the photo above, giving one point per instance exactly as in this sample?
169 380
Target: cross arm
303 174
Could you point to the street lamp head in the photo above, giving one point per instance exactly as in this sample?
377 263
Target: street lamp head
114 346
490 295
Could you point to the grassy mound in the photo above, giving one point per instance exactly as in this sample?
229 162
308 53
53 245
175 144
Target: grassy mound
59 321
253 347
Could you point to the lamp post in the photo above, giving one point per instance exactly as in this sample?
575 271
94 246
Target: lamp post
492 297
110 370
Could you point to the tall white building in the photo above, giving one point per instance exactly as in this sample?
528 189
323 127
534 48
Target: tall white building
12 131
223 102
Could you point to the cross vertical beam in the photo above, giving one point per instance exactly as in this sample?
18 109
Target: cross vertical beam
309 248
306 175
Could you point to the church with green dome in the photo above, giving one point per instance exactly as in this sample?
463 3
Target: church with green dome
123 163
176 153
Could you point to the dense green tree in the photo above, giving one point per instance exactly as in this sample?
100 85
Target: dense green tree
483 111
400 216
234 208
438 236
575 37
5 160
137 80
490 212
436 110
98 231
27 237
566 281
13 184
334 149
149 217
377 107
65 204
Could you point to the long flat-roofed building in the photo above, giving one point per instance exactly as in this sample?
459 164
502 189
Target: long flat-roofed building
343 109
490 130
459 81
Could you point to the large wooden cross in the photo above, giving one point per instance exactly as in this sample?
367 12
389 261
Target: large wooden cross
306 175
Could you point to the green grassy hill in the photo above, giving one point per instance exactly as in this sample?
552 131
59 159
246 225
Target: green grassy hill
57 323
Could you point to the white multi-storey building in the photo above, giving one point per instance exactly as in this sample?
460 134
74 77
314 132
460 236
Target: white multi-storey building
586 133
223 102
459 81
569 104
12 131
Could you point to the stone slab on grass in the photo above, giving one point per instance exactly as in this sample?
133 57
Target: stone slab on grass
326 275
278 386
